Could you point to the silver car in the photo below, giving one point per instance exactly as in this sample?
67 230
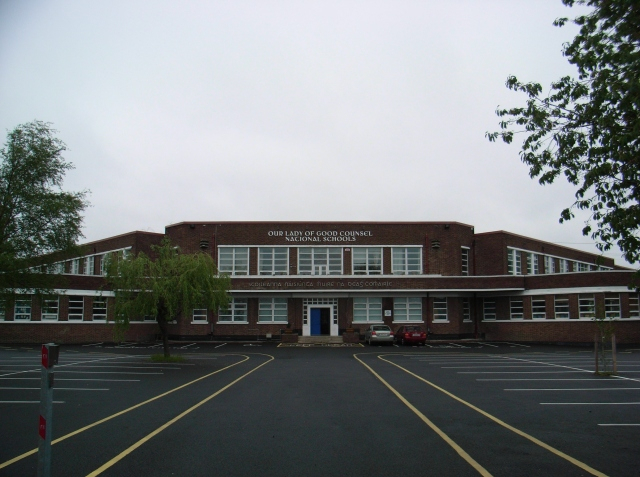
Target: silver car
378 334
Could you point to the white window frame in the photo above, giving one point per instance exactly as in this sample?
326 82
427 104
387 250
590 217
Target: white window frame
233 261
75 267
488 309
98 312
199 315
407 310
50 309
273 310
440 312
466 310
586 306
563 265
549 264
370 265
538 304
22 309
612 308
532 263
235 313
89 265
270 261
75 312
561 309
516 309
634 305
369 308
464 268
319 261
514 262
403 260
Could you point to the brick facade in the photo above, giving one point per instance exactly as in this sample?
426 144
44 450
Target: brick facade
309 293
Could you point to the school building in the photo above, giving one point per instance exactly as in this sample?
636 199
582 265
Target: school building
337 278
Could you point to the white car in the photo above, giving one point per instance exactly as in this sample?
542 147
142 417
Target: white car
378 334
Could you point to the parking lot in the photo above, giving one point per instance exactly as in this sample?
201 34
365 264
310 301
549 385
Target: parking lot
259 409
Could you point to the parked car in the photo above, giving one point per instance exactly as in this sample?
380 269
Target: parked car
378 334
411 334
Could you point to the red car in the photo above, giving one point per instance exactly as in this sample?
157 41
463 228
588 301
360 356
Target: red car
411 334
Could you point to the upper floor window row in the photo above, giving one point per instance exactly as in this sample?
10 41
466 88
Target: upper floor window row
521 261
89 264
320 260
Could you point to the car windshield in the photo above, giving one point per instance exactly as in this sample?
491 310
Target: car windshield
380 328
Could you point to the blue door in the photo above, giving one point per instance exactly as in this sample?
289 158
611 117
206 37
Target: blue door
315 321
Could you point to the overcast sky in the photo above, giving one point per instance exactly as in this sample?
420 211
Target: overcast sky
288 110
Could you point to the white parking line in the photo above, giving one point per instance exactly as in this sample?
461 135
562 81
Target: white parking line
78 379
57 389
618 425
523 372
93 344
588 403
573 389
220 345
28 402
186 346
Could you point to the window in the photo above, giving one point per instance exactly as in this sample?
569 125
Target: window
99 309
319 261
272 310
273 261
406 260
612 306
234 260
586 306
22 309
3 310
89 263
407 309
148 318
514 264
200 314
367 309
236 313
516 309
102 260
440 309
465 261
564 265
58 268
538 308
583 267
549 264
466 310
532 264
561 306
50 307
76 308
634 309
489 309
75 266
367 261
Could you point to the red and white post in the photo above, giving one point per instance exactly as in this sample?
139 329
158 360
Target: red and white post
49 360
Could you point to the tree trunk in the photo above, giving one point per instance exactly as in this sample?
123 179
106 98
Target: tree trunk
162 323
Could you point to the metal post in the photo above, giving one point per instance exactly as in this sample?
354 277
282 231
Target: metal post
613 353
49 360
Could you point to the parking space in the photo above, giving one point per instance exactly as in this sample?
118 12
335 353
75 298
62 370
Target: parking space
230 409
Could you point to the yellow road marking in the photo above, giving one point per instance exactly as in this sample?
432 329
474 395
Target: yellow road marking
428 422
130 449
561 454
120 413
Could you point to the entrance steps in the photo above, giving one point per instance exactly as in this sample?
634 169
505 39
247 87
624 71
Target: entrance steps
320 340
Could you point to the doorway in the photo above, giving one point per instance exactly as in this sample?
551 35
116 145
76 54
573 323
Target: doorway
320 321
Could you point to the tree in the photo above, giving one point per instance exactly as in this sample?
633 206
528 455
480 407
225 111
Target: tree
37 218
588 129
167 285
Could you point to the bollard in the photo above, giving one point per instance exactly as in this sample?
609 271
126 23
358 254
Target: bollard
49 360
613 353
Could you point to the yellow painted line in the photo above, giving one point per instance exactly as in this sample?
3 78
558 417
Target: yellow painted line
130 449
101 421
555 451
481 470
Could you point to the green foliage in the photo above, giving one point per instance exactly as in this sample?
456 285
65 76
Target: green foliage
169 285
588 129
37 218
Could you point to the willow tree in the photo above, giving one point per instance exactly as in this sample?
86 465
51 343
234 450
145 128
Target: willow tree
168 285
